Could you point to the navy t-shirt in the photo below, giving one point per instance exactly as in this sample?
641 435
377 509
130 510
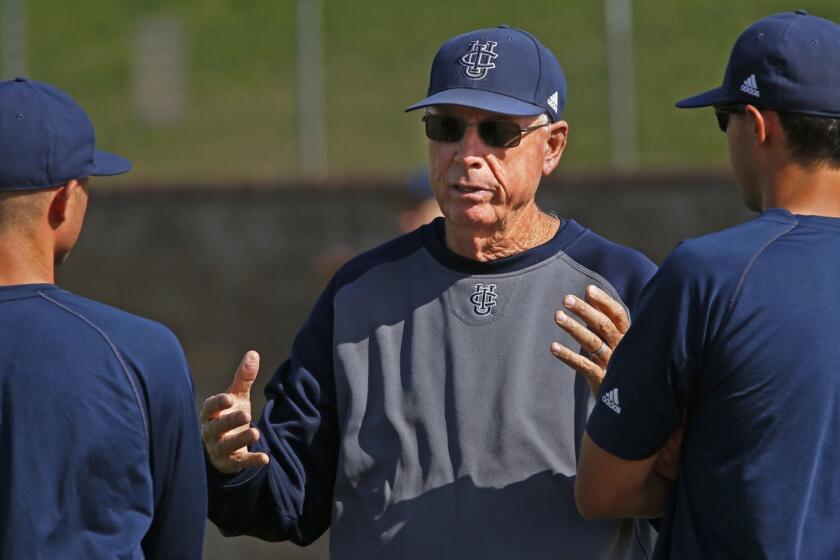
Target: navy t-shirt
100 452
739 329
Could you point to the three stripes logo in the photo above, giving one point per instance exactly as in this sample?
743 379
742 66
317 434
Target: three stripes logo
750 86
552 101
611 400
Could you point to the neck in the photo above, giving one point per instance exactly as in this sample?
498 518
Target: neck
24 261
814 192
523 232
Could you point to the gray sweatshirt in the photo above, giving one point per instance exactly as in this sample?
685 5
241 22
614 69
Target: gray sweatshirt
421 414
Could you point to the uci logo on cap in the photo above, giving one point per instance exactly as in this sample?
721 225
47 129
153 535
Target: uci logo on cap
478 60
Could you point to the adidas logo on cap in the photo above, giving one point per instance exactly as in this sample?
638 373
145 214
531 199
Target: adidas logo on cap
611 400
552 101
750 86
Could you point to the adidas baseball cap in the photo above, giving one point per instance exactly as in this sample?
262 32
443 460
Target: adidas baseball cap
500 69
786 62
46 139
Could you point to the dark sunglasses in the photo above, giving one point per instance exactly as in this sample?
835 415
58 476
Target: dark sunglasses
722 113
498 134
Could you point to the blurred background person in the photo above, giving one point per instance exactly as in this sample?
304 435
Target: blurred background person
422 207
417 206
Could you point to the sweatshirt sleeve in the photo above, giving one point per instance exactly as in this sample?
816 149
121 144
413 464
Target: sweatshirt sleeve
291 497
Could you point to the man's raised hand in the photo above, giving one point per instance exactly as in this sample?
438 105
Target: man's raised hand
603 327
226 422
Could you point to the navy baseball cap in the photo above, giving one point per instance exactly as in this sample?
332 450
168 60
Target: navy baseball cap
785 62
46 139
501 69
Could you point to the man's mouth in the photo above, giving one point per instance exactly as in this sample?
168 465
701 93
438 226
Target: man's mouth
469 189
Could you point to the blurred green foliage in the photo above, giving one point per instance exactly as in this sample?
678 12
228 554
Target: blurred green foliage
240 119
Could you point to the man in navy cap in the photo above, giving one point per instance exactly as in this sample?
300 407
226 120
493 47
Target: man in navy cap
737 331
99 444
421 414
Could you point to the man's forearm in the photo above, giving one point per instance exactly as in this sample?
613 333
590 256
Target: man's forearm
610 487
654 497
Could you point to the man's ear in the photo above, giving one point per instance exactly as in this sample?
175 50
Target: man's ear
62 202
759 123
558 133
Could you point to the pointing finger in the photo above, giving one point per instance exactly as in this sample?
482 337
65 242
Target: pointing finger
245 375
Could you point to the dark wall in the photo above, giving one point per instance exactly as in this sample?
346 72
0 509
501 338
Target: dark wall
234 270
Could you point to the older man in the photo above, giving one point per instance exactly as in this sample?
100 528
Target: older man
738 330
99 444
421 414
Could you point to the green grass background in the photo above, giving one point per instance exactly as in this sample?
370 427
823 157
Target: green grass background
240 123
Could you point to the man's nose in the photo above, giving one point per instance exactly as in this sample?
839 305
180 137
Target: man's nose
471 148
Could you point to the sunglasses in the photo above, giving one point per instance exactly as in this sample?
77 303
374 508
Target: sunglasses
722 113
498 134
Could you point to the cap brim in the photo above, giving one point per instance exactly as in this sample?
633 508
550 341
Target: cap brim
706 99
479 99
106 163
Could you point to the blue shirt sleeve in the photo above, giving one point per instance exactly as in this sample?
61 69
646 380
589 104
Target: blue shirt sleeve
648 382
177 462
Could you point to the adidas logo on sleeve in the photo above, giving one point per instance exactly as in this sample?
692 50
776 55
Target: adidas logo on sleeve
611 400
750 86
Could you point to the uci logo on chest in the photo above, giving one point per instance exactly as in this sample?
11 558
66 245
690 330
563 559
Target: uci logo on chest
484 298
478 60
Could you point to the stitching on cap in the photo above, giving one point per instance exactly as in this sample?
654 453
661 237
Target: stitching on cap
539 65
781 98
50 180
